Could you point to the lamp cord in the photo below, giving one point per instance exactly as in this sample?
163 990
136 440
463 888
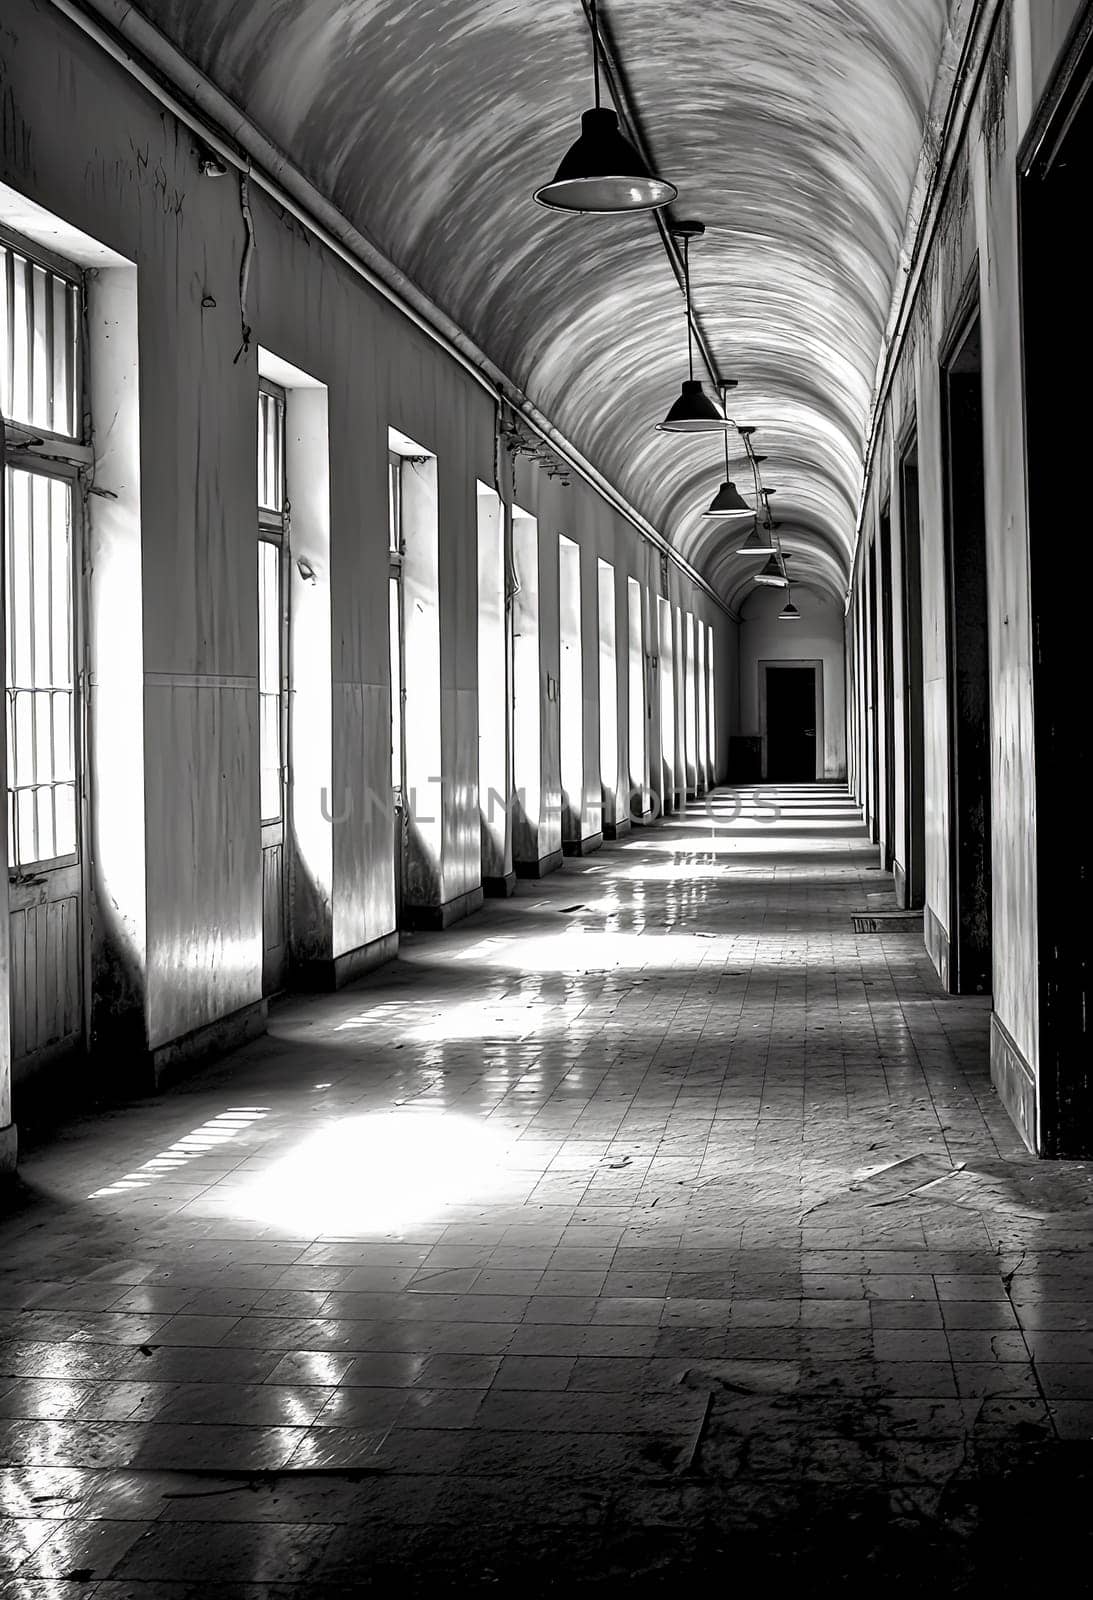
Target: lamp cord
595 52
687 294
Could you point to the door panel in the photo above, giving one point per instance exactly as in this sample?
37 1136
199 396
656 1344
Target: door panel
45 955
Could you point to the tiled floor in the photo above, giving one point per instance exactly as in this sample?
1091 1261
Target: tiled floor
654 1227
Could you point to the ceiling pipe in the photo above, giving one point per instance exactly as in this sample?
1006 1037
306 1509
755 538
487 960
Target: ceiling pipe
149 57
624 104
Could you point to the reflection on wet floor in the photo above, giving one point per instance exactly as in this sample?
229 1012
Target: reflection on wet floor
649 1225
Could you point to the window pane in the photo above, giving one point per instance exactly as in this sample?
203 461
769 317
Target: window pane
269 679
19 599
41 539
24 827
39 332
43 799
20 399
394 502
61 657
43 737
65 801
271 451
23 749
396 682
41 702
41 326
64 763
7 310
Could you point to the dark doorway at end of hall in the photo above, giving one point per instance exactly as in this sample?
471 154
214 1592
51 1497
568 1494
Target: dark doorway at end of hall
791 718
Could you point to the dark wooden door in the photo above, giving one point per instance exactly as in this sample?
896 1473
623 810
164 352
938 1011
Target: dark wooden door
1058 345
969 668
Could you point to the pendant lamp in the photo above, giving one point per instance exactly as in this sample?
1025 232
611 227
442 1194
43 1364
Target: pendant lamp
603 172
759 541
694 411
728 501
756 544
773 574
789 612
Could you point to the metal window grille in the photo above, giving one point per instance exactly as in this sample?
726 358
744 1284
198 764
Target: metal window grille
39 345
271 453
394 503
40 686
272 518
394 597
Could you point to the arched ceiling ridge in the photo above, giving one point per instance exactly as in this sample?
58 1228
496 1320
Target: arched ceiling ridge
793 129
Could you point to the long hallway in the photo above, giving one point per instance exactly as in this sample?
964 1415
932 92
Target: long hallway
655 1224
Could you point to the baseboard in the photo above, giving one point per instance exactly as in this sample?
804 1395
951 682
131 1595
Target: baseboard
582 847
322 977
540 868
1015 1082
499 888
617 830
169 1061
937 945
9 1150
431 919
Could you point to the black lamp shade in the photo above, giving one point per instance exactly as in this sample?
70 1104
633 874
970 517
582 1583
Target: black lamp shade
789 613
728 502
753 545
773 574
603 172
694 412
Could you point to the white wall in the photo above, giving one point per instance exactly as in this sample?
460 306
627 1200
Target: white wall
977 242
120 168
818 636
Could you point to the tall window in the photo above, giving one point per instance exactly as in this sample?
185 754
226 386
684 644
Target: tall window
272 519
40 325
394 590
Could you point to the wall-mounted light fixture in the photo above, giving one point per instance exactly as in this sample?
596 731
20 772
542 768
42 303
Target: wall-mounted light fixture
602 172
209 163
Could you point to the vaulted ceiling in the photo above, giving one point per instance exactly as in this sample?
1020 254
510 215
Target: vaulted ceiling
793 130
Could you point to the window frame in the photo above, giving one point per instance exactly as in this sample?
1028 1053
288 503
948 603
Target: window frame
65 458
273 530
31 871
396 556
73 446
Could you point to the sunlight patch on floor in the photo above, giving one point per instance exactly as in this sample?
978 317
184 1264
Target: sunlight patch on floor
378 1173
